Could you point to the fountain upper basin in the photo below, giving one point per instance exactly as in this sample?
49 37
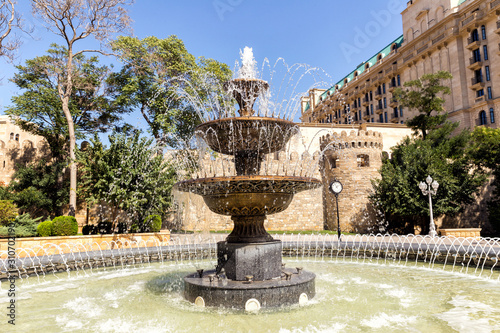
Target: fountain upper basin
261 134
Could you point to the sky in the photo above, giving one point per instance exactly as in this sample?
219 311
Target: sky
333 35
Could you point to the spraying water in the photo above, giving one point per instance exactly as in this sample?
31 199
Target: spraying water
248 64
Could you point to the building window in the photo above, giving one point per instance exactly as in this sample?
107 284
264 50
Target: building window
400 111
399 80
381 118
385 102
12 136
490 94
383 88
359 115
373 120
483 32
479 75
480 93
474 35
476 55
385 117
371 108
371 96
487 71
333 161
482 118
17 137
492 116
485 52
396 112
363 160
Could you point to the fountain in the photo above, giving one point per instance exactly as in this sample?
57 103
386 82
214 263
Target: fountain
249 273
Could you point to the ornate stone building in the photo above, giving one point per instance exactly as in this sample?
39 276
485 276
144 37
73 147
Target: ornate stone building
17 147
459 36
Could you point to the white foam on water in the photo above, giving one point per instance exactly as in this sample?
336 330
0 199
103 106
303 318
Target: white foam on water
384 320
358 280
464 316
119 325
84 306
404 298
68 324
331 328
384 286
56 288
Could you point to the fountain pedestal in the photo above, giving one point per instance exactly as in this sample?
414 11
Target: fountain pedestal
261 261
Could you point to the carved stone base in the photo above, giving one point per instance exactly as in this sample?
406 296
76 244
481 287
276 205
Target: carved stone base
249 229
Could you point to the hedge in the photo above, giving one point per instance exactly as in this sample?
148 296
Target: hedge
64 226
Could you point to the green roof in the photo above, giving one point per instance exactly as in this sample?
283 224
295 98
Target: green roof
361 68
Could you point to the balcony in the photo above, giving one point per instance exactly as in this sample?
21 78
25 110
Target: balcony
473 44
393 103
366 102
474 18
475 64
497 30
395 119
394 86
378 95
379 109
480 99
366 117
477 83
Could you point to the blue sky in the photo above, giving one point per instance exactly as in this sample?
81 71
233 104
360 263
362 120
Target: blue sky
333 35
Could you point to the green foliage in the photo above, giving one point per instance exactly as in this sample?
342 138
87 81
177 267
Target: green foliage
129 175
134 228
64 226
423 95
485 150
152 223
153 73
8 212
105 227
24 226
444 158
44 229
40 188
38 109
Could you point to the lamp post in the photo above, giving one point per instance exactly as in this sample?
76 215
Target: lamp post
336 187
430 188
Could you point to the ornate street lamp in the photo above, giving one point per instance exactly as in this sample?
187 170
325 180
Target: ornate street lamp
336 187
430 189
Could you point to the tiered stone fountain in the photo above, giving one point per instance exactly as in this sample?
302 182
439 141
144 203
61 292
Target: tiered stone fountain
249 273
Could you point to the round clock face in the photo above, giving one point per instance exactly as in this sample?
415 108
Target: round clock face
336 187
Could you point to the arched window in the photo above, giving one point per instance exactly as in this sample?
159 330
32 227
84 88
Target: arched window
12 136
492 115
17 137
482 118
333 161
367 65
474 35
355 74
483 32
379 57
363 160
394 47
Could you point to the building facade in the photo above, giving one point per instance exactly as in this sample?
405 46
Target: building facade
458 36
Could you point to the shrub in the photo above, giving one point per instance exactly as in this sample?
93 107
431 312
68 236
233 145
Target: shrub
23 226
86 229
8 212
152 223
105 227
133 228
64 226
121 227
44 229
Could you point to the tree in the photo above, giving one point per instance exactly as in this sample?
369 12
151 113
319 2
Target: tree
38 109
9 20
129 175
74 21
485 150
423 95
442 156
153 73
